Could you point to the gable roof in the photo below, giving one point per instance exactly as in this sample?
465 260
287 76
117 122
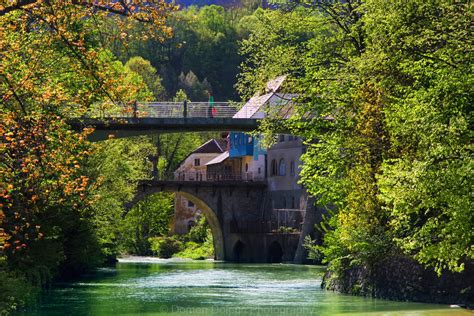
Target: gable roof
275 84
253 106
212 146
219 159
252 109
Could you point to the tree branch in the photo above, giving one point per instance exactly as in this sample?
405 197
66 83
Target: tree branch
19 5
125 9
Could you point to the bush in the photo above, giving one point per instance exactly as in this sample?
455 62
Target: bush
286 230
165 247
198 250
15 291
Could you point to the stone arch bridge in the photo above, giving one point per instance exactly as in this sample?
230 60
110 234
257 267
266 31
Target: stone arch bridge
235 212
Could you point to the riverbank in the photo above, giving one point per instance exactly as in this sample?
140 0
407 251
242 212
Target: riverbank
403 279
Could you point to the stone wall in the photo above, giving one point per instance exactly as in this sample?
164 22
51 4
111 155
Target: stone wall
401 278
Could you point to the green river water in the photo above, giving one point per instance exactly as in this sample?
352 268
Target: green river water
147 286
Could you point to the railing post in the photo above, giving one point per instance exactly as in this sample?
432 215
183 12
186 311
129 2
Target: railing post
185 108
135 109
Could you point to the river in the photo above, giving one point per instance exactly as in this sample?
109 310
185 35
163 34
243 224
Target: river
149 286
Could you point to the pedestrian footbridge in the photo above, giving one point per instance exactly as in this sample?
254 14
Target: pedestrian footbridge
158 117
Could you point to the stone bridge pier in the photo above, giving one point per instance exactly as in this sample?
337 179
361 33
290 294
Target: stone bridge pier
235 213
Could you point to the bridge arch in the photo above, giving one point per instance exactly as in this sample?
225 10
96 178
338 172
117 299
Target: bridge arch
209 214
275 253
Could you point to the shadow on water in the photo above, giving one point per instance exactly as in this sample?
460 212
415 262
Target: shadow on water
149 286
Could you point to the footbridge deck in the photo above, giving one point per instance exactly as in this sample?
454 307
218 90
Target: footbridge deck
165 117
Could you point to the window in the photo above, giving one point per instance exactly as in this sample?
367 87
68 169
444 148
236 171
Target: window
282 168
290 137
292 168
274 168
282 138
197 162
246 167
293 204
259 170
190 204
249 139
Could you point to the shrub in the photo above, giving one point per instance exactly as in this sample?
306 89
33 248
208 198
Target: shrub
165 247
15 290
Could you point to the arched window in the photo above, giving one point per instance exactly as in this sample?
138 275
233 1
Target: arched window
274 168
282 169
292 168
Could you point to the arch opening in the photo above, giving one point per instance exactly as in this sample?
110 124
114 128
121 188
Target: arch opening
275 253
282 167
209 214
238 251
214 224
273 168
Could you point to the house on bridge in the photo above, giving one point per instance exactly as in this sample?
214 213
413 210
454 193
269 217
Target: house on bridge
244 161
271 228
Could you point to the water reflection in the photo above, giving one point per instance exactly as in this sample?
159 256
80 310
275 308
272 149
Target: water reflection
148 286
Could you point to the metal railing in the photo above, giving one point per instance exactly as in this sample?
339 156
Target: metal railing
168 110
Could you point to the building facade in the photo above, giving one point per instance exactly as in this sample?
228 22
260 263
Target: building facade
193 168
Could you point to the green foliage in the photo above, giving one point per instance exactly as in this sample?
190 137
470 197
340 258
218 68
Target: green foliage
204 42
180 96
196 90
286 230
198 242
385 93
118 164
15 290
275 46
196 251
199 232
149 75
166 247
149 218
313 249
426 185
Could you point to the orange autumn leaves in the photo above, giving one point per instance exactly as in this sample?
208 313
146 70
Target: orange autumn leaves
40 169
53 51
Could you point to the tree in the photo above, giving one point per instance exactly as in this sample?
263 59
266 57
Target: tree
195 89
53 67
384 98
44 196
426 62
60 61
148 219
149 76
204 41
